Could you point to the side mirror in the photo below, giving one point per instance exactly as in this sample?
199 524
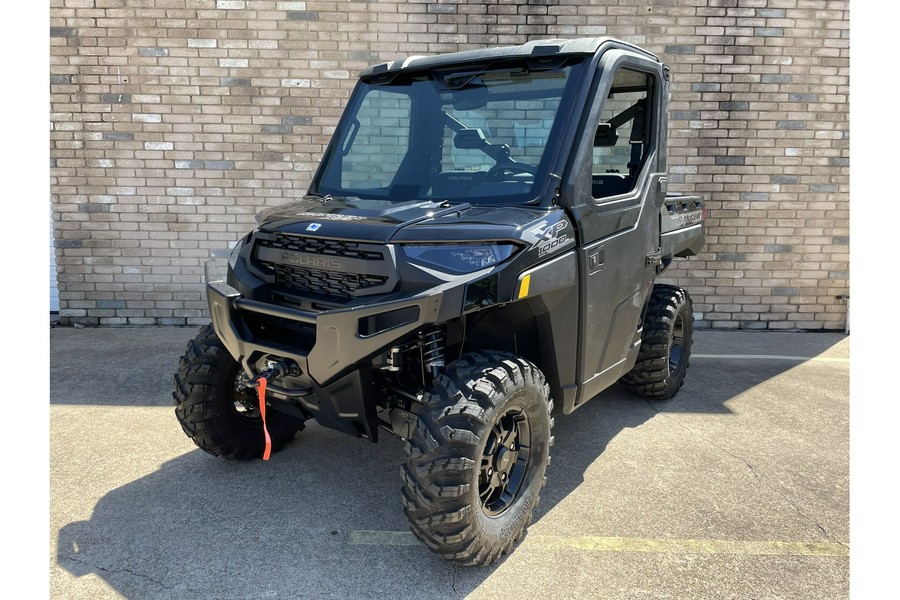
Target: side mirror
605 136
470 139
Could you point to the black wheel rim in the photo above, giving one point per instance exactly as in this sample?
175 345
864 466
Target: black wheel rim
676 346
504 462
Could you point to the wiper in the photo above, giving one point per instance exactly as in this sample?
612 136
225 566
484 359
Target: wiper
460 80
457 81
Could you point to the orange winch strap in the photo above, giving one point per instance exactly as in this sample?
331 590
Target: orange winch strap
262 411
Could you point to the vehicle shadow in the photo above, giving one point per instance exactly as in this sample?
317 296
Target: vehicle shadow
205 528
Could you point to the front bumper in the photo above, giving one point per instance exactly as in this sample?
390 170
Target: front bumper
332 381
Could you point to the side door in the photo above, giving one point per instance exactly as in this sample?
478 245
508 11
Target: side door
619 188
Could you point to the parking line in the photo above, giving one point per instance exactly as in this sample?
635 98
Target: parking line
589 543
772 357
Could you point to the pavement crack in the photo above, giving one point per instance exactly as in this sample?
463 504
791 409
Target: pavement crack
653 406
742 459
762 480
783 495
90 567
828 537
453 581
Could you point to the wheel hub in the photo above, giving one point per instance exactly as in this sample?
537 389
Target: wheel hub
504 462
504 459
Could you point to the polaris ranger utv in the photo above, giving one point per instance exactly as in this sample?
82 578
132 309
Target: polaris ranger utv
479 244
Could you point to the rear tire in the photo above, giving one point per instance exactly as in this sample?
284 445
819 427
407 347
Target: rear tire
220 419
477 457
665 352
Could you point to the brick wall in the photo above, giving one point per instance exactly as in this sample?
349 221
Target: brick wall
174 121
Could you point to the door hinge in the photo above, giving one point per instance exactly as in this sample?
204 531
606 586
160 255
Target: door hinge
654 259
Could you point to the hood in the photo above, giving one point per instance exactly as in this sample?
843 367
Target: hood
382 221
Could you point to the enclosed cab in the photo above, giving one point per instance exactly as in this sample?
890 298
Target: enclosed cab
479 243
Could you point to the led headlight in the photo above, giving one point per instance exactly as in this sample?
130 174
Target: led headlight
459 260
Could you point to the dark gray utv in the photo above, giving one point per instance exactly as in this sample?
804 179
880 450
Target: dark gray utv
480 243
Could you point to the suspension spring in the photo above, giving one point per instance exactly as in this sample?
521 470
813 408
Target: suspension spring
433 342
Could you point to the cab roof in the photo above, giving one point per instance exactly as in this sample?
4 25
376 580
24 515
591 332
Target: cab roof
534 49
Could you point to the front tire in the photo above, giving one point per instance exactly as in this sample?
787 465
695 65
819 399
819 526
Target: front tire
665 352
219 418
477 457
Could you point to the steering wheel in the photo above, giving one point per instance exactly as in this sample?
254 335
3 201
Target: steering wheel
508 171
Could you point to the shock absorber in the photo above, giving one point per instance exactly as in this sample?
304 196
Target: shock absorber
433 342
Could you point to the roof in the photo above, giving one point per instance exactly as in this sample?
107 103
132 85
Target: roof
535 48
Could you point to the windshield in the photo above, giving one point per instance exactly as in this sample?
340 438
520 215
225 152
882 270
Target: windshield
478 135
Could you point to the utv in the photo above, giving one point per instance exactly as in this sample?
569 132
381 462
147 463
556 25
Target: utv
479 243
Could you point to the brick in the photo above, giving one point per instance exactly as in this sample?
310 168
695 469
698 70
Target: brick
785 291
116 98
219 164
755 196
364 55
731 256
234 81
189 164
202 43
679 49
233 62
155 51
93 208
276 129
303 15
784 179
111 304
443 8
118 136
146 118
768 31
158 146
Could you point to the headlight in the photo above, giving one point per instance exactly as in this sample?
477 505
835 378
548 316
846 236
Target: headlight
460 260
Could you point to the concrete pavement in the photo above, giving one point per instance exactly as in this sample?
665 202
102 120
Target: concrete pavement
739 488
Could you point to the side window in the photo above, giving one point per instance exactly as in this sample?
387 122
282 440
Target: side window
377 142
622 138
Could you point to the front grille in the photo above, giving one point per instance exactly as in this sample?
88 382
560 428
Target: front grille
346 269
326 283
323 247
